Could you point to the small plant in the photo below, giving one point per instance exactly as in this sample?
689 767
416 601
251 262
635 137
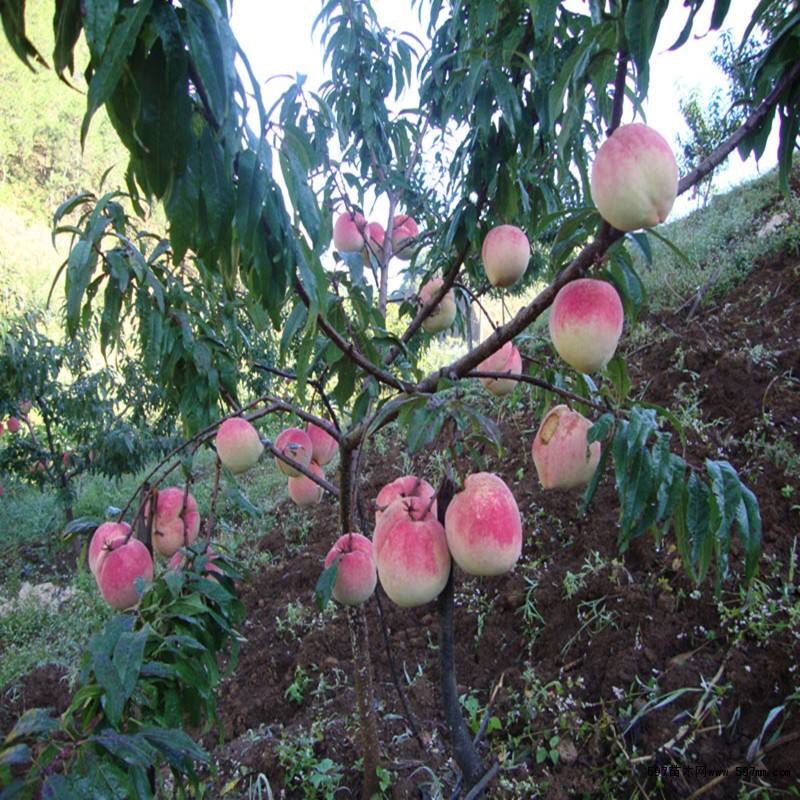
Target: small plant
315 778
296 691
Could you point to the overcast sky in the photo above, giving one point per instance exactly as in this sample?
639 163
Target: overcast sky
282 43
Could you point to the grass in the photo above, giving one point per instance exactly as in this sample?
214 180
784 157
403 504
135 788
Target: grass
722 242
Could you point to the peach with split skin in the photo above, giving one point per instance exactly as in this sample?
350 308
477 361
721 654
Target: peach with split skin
404 231
405 486
634 180
411 553
303 491
561 453
417 507
585 323
105 533
347 236
176 524
238 445
323 446
117 569
505 253
356 574
12 423
506 359
483 526
444 314
293 443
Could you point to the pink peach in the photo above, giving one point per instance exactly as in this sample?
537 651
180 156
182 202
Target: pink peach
417 507
175 525
586 323
374 236
505 253
411 555
238 444
483 525
561 453
117 570
323 445
444 314
405 230
13 424
506 359
634 178
406 486
347 236
105 533
303 491
296 444
356 576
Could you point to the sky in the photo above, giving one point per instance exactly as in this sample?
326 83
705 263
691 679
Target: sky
283 43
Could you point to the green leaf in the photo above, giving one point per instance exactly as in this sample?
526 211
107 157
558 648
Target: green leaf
127 659
325 583
12 13
642 21
208 55
109 70
98 23
67 25
601 428
34 722
15 755
617 371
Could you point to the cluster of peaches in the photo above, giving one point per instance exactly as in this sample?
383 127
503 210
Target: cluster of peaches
633 184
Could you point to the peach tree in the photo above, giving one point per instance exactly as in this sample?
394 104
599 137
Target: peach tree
503 130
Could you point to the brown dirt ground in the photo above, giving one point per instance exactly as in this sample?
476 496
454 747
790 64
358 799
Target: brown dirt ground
659 630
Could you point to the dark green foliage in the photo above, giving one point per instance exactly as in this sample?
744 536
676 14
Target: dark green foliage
145 676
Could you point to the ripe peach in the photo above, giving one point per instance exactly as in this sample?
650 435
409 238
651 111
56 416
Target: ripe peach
293 443
303 491
407 486
404 231
174 526
411 554
505 254
563 458
105 533
117 569
586 323
323 445
417 507
238 444
634 178
444 313
2 428
12 424
347 237
483 525
374 236
506 359
356 576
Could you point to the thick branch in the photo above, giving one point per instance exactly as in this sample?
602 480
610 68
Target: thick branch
718 155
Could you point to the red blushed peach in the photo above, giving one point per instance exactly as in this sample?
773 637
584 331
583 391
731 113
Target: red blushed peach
238 445
293 443
483 525
347 237
506 359
12 424
563 457
415 507
405 230
174 526
105 533
303 491
118 568
323 445
444 314
356 576
411 554
586 323
407 486
505 253
634 178
374 237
